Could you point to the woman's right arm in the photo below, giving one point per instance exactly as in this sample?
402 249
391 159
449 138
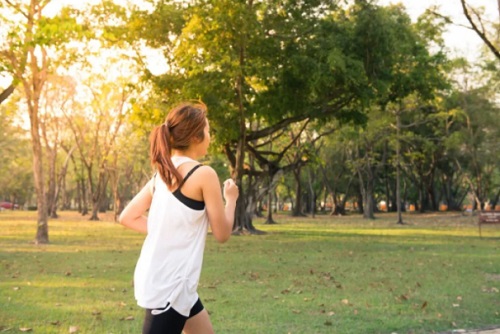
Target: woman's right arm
220 216
133 214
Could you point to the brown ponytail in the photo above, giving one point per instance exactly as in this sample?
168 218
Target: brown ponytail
183 124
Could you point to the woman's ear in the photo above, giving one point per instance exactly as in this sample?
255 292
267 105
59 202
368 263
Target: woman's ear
197 139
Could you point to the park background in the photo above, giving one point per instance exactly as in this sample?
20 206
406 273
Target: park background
337 119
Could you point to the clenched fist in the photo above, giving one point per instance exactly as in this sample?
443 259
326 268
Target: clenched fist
231 191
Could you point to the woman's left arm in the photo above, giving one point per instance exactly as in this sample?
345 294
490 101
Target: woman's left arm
133 214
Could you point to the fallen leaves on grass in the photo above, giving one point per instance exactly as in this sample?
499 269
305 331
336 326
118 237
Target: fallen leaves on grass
346 302
254 276
25 329
129 318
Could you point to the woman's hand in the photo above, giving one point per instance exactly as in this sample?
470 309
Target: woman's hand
231 191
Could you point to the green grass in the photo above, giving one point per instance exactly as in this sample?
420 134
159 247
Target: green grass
323 275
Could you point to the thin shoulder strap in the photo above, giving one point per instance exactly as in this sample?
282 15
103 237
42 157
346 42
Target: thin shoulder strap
154 182
188 175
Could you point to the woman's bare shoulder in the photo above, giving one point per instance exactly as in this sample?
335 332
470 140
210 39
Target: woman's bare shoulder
207 171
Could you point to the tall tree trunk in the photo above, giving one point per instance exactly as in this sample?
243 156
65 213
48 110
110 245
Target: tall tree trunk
360 202
366 190
42 232
33 91
241 220
389 195
494 202
270 219
84 198
312 193
421 197
61 181
369 205
61 184
66 201
297 208
97 193
398 170
95 211
52 173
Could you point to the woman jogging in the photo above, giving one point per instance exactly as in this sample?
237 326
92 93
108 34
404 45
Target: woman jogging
183 198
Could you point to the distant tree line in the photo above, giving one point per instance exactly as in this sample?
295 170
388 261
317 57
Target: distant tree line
311 103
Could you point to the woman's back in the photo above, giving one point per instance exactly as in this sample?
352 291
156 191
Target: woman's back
171 258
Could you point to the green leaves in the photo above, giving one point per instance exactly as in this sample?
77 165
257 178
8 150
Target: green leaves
59 29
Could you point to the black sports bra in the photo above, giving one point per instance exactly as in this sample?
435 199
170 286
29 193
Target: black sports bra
189 202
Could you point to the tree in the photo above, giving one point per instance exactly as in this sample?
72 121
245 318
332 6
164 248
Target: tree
28 54
412 70
368 157
128 167
337 176
96 129
16 176
261 71
55 99
479 140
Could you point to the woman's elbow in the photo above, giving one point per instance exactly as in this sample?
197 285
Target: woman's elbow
123 220
222 237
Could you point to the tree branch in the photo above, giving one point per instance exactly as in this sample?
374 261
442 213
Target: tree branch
6 93
17 8
481 34
254 135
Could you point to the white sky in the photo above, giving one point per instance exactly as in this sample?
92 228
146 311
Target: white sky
460 40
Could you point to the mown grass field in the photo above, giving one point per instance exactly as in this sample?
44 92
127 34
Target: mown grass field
322 275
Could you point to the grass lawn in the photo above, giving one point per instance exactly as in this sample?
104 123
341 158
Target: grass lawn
323 275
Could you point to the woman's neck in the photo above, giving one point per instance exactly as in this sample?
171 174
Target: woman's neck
188 154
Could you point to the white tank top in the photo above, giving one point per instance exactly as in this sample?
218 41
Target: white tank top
169 267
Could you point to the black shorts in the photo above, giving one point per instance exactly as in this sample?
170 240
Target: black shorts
168 322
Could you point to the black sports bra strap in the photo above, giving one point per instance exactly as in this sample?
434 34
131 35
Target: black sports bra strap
154 182
188 175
